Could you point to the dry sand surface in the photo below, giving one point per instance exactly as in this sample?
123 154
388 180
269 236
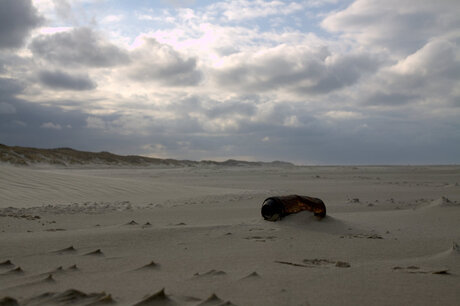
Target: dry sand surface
194 236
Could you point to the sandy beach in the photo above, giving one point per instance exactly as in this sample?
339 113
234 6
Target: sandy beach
195 236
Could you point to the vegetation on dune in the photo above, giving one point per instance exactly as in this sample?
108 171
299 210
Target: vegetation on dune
69 157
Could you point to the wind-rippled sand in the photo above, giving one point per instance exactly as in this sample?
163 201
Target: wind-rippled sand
194 236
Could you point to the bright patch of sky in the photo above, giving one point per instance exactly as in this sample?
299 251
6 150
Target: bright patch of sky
130 18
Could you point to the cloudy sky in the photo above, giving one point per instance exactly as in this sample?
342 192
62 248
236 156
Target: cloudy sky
312 82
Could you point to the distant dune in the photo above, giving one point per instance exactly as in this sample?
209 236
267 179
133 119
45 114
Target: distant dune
68 157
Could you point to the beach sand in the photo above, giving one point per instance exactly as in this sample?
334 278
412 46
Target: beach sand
195 236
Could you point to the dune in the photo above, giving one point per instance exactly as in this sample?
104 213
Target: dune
106 235
212 300
253 275
158 298
97 252
67 250
444 202
69 297
149 267
6 264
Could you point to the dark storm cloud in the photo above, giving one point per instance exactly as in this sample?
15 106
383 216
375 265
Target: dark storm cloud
390 99
78 47
162 64
231 109
10 87
17 19
341 72
375 140
305 72
14 64
213 109
31 124
61 80
378 138
50 127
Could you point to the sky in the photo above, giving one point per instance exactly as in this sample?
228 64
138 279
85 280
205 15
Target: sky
313 82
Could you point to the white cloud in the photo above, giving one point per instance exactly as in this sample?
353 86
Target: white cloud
297 68
53 30
217 125
237 10
435 58
45 7
112 18
157 150
63 9
428 78
51 125
401 27
319 3
292 121
343 115
155 62
95 123
146 17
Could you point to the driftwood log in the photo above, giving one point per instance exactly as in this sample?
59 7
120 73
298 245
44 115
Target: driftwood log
275 208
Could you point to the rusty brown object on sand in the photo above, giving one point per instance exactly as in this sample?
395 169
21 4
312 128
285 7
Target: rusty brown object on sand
275 208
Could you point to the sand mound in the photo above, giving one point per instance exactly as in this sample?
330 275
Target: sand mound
150 266
67 250
444 202
307 221
455 248
97 252
211 273
228 303
69 297
59 269
6 264
253 275
49 279
15 271
212 300
73 268
159 298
